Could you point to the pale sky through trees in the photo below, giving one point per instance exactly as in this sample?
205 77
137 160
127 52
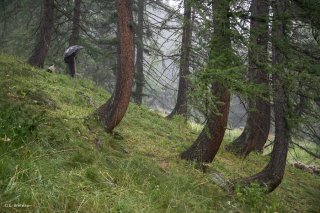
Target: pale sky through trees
174 3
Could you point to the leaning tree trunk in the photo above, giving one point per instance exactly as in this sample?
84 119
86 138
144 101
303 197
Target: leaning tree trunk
272 175
41 49
206 146
139 62
112 112
257 128
181 107
75 34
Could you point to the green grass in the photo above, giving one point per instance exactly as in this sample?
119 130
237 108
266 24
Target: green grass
55 158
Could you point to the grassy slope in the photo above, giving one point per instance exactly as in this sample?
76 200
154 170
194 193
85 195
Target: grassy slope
54 159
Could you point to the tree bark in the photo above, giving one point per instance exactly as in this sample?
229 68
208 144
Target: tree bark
206 146
271 176
256 131
41 49
181 107
139 62
112 112
75 34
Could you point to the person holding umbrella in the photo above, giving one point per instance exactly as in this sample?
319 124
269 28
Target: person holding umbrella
69 58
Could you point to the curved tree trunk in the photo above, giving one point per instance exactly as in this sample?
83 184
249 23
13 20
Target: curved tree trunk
139 62
272 175
181 107
112 112
41 49
257 128
75 34
206 146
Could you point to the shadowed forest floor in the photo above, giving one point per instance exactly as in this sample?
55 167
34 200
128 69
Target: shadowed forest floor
55 158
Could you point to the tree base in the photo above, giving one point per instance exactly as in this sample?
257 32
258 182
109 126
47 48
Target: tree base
266 178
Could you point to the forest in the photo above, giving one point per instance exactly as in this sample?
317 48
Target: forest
160 106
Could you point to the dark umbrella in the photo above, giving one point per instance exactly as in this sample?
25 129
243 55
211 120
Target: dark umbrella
69 58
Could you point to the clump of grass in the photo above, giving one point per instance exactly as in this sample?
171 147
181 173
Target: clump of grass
55 157
254 199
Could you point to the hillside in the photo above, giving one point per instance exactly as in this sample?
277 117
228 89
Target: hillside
55 158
